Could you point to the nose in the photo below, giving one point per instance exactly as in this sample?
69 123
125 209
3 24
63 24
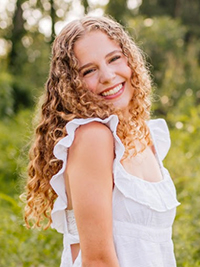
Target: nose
106 75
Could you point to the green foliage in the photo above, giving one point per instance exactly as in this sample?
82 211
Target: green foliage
184 10
22 247
19 90
14 139
175 62
183 162
6 95
118 10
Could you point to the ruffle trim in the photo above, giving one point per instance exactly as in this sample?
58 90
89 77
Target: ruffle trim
60 151
161 137
159 196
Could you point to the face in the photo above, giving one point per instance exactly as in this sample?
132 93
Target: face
104 69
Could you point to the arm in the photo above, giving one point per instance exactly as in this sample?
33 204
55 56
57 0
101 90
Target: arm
89 170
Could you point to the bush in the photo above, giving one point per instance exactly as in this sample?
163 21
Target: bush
22 247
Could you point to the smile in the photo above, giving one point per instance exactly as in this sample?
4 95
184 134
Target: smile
112 91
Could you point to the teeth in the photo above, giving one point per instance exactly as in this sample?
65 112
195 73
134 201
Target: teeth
112 91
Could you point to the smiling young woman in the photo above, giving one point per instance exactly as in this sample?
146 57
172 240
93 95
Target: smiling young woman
96 168
105 69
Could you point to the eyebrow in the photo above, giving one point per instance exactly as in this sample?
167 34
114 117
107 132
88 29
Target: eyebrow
108 55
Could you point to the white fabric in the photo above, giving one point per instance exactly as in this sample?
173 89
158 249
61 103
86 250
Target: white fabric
143 212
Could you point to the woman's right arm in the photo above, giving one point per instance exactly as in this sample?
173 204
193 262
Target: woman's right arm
89 171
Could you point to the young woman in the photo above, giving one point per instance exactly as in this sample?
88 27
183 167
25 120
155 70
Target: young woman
96 169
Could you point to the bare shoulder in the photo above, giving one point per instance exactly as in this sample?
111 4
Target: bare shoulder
93 141
95 129
94 134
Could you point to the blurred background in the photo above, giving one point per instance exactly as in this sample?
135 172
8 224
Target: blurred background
169 33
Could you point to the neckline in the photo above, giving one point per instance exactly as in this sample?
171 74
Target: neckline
157 159
140 179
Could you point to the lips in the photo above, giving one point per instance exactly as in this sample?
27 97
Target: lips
115 91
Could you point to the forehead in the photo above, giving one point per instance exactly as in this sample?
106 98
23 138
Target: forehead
93 45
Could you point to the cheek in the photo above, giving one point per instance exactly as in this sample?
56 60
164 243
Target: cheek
125 70
91 84
129 71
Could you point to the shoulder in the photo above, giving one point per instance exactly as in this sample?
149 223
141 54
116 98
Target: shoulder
93 138
93 132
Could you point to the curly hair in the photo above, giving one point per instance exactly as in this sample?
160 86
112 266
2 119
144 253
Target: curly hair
66 98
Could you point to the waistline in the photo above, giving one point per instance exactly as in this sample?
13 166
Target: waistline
141 232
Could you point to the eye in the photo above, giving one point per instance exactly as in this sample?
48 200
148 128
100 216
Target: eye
88 71
115 58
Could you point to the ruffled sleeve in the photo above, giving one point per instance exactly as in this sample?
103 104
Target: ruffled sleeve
58 214
159 196
161 137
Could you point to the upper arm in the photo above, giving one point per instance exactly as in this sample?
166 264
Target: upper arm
89 170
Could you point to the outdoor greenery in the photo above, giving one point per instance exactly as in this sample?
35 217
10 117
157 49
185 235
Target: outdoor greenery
169 34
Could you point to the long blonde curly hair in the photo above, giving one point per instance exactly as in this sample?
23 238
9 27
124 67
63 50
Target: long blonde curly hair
66 98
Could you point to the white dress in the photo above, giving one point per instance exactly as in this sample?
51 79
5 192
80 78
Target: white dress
143 212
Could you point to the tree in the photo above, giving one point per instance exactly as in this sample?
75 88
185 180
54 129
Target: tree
174 62
187 11
119 10
28 52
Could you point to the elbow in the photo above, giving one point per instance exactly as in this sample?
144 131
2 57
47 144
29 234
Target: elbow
105 260
96 263
99 253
